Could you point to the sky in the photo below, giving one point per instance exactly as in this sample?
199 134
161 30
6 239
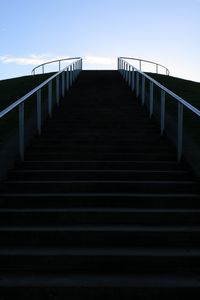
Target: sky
36 31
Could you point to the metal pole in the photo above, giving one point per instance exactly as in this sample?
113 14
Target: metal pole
63 83
21 131
143 90
124 68
129 77
71 76
140 65
39 112
67 74
58 90
50 99
59 65
126 72
162 112
151 100
180 131
157 68
42 69
137 84
133 79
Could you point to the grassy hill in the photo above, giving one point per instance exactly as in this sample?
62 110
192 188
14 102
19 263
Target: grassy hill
10 91
188 90
14 88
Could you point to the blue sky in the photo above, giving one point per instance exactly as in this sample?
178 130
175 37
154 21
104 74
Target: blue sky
35 31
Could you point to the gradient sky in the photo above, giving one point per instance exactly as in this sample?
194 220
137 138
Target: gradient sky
35 31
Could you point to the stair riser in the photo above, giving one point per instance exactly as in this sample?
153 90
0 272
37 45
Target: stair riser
54 201
95 218
103 290
100 187
100 156
100 165
101 264
109 176
99 239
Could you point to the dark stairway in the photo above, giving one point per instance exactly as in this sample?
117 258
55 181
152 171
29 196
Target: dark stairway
100 209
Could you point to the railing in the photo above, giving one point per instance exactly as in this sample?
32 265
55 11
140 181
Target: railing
52 62
157 66
63 80
142 85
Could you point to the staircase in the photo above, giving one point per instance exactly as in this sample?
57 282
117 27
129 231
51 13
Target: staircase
100 209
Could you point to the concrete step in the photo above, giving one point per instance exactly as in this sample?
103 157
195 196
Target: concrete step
100 200
100 236
98 155
152 261
101 216
101 165
100 186
109 175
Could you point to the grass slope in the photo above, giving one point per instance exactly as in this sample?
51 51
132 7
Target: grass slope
188 90
14 88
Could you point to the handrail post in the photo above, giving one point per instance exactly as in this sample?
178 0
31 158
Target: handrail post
180 131
162 112
39 112
140 65
74 72
50 99
143 90
157 68
71 78
124 70
133 79
151 100
137 84
42 69
66 79
21 131
67 74
129 75
59 65
63 84
58 90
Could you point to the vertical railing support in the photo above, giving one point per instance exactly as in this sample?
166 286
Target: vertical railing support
157 68
162 112
63 84
143 90
71 76
180 131
50 99
21 131
39 112
133 80
137 84
58 90
68 78
151 100
129 75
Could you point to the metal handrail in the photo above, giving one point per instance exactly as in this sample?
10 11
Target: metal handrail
53 61
147 61
64 80
136 80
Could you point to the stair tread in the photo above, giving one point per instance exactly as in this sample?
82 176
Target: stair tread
105 228
159 281
117 251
